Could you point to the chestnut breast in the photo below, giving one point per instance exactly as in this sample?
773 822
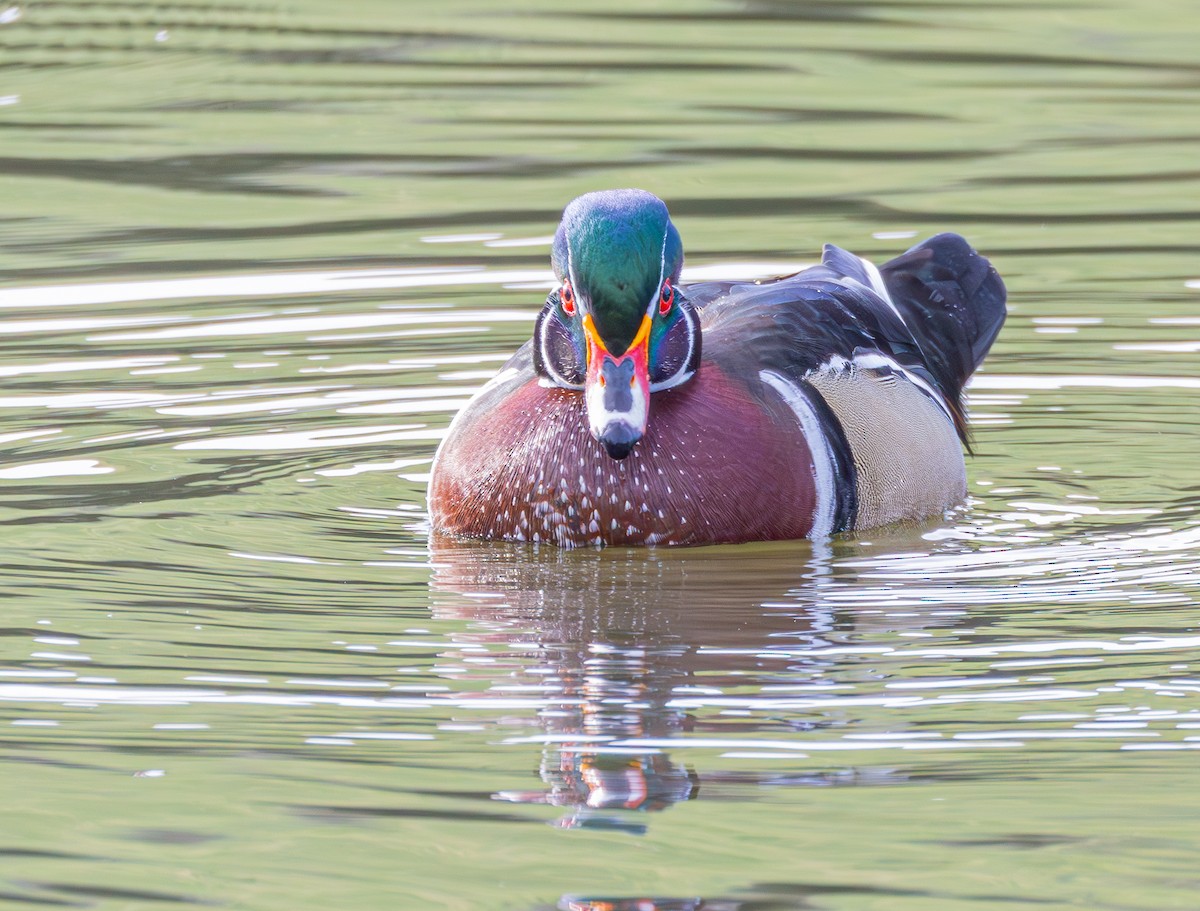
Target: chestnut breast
717 464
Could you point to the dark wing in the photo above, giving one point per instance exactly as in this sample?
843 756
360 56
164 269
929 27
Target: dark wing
799 324
937 312
952 300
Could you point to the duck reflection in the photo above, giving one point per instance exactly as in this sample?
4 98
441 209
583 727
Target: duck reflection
619 637
571 903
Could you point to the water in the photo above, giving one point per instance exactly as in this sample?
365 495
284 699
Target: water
255 256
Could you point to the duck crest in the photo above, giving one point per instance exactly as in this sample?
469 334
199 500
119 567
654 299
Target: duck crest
616 247
822 402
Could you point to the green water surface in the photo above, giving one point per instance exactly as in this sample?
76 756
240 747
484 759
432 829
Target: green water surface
254 256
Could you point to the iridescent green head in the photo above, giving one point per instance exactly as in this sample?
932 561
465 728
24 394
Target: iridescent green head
616 248
617 327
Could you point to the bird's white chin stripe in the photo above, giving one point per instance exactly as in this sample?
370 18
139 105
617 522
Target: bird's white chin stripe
601 417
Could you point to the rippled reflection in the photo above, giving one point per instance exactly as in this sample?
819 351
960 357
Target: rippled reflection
619 636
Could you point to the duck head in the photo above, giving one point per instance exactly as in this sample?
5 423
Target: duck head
616 326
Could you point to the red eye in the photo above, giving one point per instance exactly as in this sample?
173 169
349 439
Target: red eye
567 297
666 297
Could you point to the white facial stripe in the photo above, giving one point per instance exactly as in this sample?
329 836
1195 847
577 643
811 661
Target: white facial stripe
684 373
551 367
671 382
662 269
814 435
571 271
662 273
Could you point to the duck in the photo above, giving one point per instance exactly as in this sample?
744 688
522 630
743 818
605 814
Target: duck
644 411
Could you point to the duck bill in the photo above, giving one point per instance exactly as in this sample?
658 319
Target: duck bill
617 390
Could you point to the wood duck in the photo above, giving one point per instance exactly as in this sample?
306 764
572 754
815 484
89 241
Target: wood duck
646 412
